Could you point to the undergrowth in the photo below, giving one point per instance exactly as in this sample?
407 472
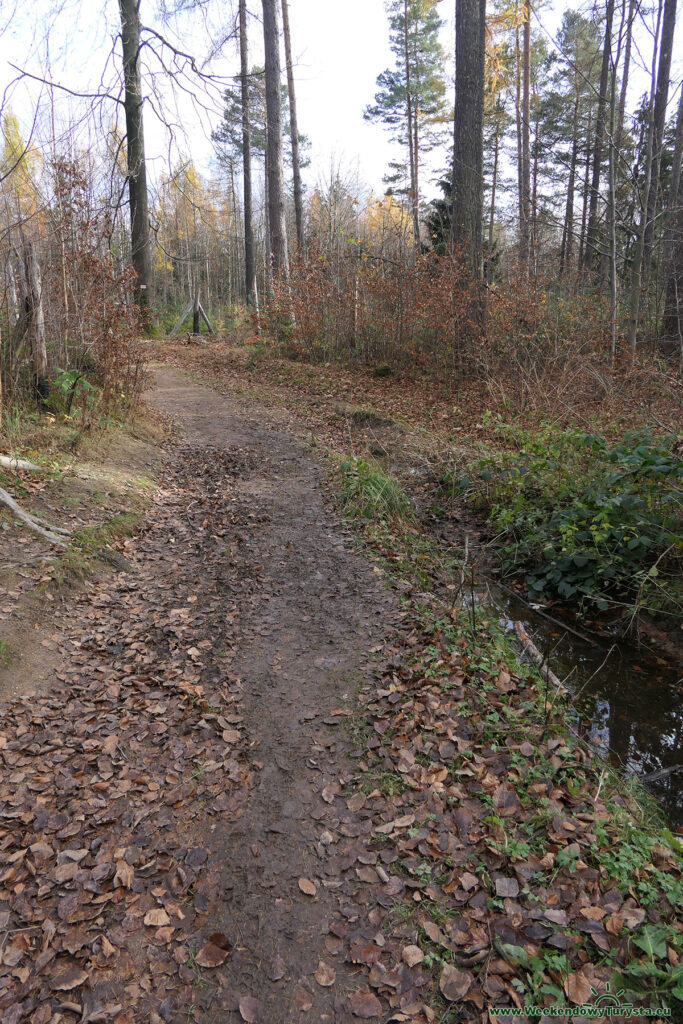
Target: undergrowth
371 494
589 520
516 716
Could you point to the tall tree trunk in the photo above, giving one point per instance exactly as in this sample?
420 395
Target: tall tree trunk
525 116
36 321
672 321
591 254
568 229
659 121
249 261
274 167
492 208
468 161
534 200
639 249
412 137
625 75
294 131
585 191
612 201
137 172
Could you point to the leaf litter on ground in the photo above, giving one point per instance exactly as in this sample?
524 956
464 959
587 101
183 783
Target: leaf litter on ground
108 780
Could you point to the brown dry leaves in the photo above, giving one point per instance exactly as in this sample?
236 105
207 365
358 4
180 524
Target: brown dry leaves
432 844
135 747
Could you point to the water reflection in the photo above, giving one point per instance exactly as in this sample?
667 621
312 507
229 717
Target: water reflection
628 702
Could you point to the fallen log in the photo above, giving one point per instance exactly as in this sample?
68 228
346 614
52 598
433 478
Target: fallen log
52 534
7 462
535 655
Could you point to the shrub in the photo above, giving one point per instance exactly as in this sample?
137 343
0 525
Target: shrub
586 519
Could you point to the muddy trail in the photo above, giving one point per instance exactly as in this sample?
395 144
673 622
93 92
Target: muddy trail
172 804
305 643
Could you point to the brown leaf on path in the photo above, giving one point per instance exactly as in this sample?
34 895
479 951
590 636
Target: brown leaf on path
278 969
212 955
156 918
68 978
593 913
455 984
108 948
325 975
364 1004
308 887
251 1009
303 1000
469 881
507 886
433 931
578 988
125 874
356 802
412 955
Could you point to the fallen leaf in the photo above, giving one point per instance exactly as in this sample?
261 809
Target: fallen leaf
507 886
70 977
578 988
325 974
250 1009
278 969
364 1004
412 955
211 955
157 918
454 983
308 887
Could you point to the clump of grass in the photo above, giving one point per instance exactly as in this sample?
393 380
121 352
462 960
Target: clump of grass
369 493
91 538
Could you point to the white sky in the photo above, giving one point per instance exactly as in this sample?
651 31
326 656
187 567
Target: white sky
339 48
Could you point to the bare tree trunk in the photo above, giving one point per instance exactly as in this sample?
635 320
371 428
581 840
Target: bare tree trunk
34 287
525 116
411 114
672 321
585 191
534 201
659 120
568 229
611 204
492 209
468 141
293 131
137 172
249 262
274 167
637 267
625 75
591 251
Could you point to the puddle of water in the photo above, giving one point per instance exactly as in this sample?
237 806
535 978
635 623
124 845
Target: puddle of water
627 702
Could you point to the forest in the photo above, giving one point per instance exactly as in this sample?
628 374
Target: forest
340 511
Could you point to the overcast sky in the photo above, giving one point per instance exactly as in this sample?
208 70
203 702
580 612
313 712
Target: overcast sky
339 49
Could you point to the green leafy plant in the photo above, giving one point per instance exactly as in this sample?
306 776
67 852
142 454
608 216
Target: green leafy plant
583 518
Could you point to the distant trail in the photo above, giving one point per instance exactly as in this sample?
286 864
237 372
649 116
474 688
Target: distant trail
315 612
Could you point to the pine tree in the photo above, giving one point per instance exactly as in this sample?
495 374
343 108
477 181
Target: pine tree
410 99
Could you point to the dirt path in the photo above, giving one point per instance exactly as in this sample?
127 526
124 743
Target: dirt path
174 819
305 646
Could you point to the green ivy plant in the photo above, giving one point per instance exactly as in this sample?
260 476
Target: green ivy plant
583 518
